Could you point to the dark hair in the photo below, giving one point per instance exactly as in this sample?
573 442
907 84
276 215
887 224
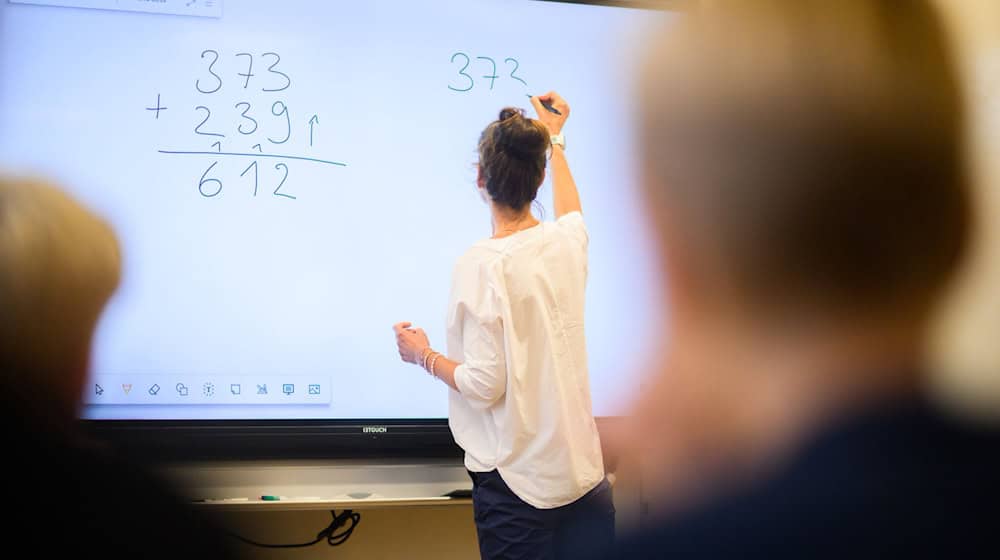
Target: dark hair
815 153
512 152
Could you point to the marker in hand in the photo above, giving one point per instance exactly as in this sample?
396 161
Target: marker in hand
547 105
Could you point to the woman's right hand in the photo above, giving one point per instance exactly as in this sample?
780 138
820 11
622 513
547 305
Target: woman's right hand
551 120
411 342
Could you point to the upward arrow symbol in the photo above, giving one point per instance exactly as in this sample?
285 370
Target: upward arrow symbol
313 121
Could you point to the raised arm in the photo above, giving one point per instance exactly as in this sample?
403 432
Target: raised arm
565 197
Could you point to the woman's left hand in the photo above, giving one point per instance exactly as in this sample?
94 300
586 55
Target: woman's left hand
411 342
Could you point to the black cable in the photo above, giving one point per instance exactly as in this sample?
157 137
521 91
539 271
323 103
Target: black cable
333 538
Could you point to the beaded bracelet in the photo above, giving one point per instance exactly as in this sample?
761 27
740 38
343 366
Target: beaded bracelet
423 359
433 362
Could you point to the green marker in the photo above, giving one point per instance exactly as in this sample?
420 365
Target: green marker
270 498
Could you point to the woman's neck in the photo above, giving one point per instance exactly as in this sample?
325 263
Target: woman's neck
507 221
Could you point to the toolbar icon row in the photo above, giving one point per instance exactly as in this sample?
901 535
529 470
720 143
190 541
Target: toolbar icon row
290 389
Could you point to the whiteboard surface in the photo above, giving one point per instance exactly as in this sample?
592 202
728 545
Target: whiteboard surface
222 283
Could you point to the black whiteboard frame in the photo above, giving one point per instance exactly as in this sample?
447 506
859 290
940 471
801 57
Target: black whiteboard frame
205 440
638 4
171 441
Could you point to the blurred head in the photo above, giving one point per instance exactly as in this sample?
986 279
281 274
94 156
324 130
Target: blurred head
804 175
805 159
512 152
59 264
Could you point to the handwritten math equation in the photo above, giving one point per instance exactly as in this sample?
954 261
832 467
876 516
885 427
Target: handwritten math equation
251 133
462 64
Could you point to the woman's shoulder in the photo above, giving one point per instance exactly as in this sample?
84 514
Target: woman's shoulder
573 225
482 251
477 261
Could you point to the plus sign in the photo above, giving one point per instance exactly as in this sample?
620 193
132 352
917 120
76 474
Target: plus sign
158 107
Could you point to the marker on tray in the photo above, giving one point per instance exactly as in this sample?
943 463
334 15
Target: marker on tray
212 500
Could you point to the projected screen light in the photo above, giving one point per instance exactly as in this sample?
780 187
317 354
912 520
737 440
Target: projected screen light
289 179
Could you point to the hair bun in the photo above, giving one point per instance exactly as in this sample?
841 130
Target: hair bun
510 112
512 158
519 136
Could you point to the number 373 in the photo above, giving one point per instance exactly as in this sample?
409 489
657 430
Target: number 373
465 82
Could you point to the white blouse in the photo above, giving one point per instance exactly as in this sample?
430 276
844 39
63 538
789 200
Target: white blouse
515 323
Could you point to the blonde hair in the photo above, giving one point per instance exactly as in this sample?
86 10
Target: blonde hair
812 150
59 265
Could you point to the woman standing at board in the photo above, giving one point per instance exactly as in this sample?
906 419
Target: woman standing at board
520 402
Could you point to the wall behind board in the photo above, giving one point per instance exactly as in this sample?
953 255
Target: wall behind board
967 349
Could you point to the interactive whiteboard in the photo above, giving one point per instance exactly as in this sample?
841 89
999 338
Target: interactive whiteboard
289 179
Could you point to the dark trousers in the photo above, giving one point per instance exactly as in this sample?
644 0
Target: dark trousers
511 529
